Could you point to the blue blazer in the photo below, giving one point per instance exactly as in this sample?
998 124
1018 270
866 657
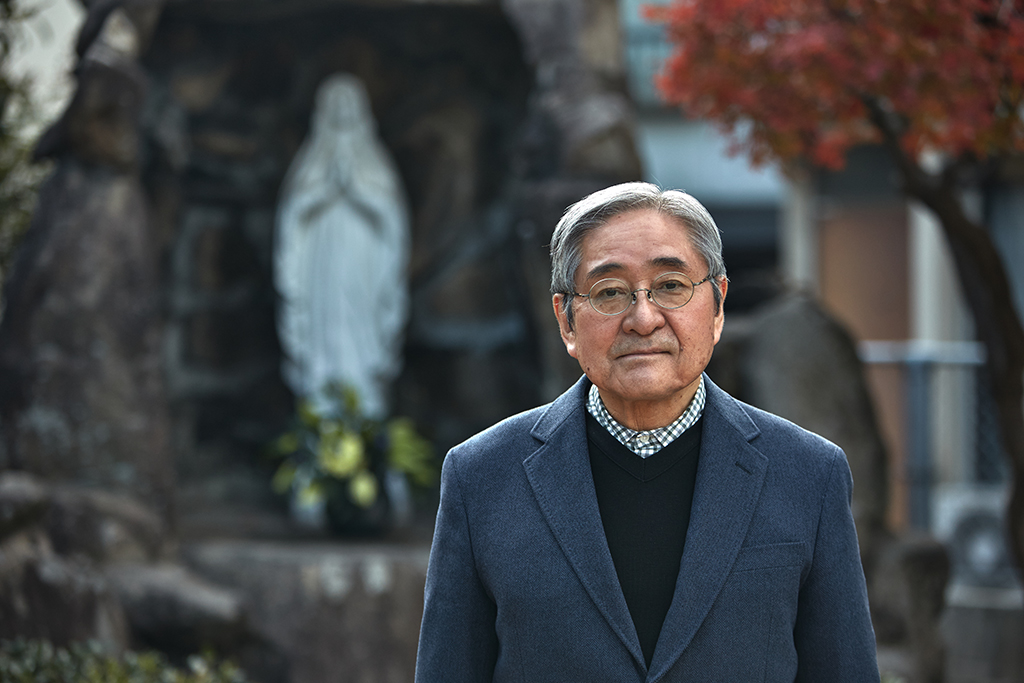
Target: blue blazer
521 586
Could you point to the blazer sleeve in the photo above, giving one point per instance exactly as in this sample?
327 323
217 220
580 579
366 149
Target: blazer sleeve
833 634
458 642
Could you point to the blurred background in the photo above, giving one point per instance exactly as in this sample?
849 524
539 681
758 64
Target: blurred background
164 488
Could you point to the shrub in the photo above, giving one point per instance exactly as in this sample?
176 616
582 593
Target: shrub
37 661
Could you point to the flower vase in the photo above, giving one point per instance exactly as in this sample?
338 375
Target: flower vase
390 509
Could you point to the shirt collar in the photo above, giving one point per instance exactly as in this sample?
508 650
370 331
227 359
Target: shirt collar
646 443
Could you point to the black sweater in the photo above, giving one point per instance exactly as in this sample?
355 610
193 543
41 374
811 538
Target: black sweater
645 510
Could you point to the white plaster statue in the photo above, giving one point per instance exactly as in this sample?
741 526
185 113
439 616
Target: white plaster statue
342 248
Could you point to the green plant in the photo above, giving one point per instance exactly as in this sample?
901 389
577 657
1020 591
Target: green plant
337 449
38 661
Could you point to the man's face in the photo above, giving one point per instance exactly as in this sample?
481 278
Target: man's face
647 361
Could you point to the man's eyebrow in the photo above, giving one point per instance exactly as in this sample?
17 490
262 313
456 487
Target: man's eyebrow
670 262
673 262
604 269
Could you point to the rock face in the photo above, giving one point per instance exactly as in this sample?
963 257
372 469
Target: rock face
103 527
87 565
81 379
577 138
79 564
44 594
80 369
171 609
23 501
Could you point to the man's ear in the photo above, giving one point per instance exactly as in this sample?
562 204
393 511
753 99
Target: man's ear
559 303
723 287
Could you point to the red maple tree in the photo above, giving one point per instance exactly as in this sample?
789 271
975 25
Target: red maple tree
941 80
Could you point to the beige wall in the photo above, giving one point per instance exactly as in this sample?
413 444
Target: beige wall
863 281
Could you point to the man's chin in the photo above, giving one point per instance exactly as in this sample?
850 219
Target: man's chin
649 387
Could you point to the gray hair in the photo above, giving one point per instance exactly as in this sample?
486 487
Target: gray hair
598 208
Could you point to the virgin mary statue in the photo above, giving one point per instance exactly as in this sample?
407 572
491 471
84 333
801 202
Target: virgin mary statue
342 247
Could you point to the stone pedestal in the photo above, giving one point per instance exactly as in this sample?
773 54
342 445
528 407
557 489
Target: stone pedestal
983 633
336 612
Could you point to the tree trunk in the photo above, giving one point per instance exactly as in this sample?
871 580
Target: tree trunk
998 326
987 288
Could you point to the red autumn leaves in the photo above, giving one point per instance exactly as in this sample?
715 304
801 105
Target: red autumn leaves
799 76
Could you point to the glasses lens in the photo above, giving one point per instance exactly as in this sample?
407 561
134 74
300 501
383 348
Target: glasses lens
672 290
609 297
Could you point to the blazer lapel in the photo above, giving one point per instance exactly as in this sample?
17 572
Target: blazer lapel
559 472
729 479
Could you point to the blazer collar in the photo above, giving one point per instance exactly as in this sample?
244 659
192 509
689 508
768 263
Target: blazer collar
730 474
559 472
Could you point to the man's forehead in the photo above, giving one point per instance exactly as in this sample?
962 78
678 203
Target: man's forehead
643 220
603 255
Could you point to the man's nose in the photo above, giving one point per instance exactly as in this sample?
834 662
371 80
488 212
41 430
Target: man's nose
646 293
643 315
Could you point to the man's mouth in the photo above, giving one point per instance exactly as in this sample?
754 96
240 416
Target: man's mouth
640 352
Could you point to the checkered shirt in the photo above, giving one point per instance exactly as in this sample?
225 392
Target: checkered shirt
650 442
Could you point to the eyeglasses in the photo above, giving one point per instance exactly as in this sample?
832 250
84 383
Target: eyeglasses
612 296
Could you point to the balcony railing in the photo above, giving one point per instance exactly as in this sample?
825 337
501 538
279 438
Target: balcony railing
929 369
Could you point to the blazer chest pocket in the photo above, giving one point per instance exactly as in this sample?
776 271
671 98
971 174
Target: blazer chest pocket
757 606
774 556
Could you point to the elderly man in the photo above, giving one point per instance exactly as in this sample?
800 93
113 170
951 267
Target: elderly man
645 526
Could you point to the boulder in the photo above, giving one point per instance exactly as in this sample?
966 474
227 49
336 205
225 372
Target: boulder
169 607
23 502
52 541
103 526
81 564
925 566
907 602
43 595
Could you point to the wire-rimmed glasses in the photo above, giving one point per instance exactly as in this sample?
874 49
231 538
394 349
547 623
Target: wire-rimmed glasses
612 296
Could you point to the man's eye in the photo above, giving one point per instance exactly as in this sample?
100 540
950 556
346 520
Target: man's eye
610 293
671 286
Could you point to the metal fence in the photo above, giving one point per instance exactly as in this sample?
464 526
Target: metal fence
949 409
956 471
